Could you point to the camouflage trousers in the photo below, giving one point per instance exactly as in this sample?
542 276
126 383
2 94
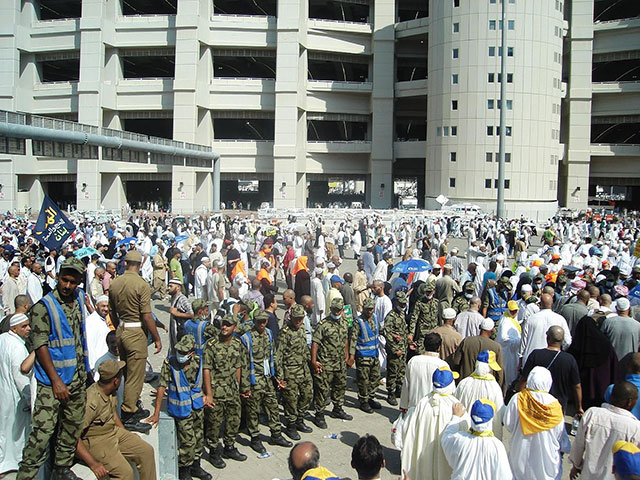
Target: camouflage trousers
297 397
334 380
367 377
265 396
54 419
190 435
396 367
227 411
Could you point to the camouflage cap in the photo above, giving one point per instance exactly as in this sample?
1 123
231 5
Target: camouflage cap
230 318
368 303
186 344
401 297
260 314
198 304
297 311
469 287
75 264
337 303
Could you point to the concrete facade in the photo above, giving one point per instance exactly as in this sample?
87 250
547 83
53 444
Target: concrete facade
551 99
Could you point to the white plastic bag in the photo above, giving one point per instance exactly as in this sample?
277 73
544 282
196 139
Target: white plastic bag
397 431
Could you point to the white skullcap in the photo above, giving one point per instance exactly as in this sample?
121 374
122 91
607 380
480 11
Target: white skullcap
205 259
102 299
622 305
448 313
17 319
526 288
487 324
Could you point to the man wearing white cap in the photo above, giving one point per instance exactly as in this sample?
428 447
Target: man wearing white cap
451 339
622 330
473 451
15 416
97 329
509 336
200 281
528 303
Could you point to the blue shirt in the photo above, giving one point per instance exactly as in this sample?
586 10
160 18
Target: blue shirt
631 378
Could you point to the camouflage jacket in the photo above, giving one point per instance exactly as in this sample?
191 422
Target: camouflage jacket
223 361
331 337
395 324
424 318
292 354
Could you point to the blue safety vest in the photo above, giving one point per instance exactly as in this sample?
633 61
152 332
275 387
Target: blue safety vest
62 343
497 305
367 343
247 341
197 330
183 397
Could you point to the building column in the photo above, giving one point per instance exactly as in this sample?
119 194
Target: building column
290 89
204 192
216 185
88 185
574 175
9 54
113 196
183 190
9 182
380 188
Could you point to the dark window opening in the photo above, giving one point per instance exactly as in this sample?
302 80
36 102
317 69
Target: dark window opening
244 67
336 130
338 71
162 66
616 71
411 129
59 9
246 7
60 70
408 69
347 11
628 133
605 10
412 9
154 127
241 129
149 7
12 145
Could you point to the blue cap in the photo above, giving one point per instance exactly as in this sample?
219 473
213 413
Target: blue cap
482 411
626 459
443 377
336 278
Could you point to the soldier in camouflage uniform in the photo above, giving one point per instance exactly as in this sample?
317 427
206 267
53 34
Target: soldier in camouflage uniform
221 373
461 300
258 369
329 352
363 346
246 313
425 315
61 393
189 416
292 368
395 332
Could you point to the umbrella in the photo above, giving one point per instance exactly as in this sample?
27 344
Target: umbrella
180 238
413 265
126 241
85 252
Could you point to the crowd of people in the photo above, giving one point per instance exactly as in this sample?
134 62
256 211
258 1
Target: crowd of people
525 326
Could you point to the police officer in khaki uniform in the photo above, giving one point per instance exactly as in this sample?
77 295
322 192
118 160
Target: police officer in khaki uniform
129 300
104 445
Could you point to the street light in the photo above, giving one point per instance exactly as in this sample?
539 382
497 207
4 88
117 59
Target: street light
503 112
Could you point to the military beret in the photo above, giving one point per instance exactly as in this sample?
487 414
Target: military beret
73 263
401 297
337 303
133 256
297 311
260 315
368 303
186 344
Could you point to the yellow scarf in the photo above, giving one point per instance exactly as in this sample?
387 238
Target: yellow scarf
537 417
486 433
488 376
514 321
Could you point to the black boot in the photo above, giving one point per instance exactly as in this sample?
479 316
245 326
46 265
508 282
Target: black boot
183 473
338 412
320 421
291 432
374 404
280 441
197 471
215 459
391 399
303 427
64 473
365 407
233 454
398 393
132 423
257 445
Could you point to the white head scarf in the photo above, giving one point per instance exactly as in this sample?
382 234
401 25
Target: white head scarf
539 382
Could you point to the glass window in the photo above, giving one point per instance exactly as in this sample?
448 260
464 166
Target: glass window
456 27
445 131
492 51
509 51
511 24
489 130
490 104
509 104
489 157
507 183
454 104
507 158
455 53
491 77
454 79
452 182
438 131
487 183
492 1
507 131
492 24
456 3
453 156
495 184
509 77
454 131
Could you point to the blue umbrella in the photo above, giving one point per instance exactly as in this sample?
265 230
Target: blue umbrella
85 252
126 241
413 265
180 238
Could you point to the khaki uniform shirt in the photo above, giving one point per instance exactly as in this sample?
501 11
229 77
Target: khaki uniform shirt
99 416
130 297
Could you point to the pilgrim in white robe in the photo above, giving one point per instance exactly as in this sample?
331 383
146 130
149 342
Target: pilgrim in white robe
474 457
422 454
418 381
508 336
96 329
482 384
15 413
536 456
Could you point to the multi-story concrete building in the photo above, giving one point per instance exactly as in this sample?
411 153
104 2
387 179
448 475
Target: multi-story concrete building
298 95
